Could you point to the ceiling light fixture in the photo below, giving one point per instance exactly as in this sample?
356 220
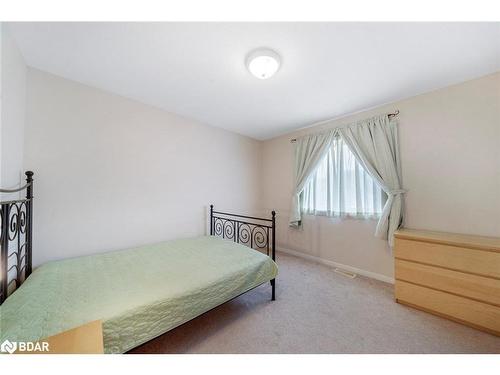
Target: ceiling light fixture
263 63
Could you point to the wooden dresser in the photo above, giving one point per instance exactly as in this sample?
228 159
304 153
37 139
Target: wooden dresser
451 275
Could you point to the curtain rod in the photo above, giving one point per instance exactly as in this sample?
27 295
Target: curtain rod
396 112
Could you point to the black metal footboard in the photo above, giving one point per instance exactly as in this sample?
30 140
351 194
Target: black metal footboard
16 218
255 232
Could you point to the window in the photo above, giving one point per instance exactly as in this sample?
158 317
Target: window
341 187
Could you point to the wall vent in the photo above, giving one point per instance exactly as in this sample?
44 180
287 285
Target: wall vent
345 273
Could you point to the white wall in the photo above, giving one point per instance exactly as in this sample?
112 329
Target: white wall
112 173
12 109
450 153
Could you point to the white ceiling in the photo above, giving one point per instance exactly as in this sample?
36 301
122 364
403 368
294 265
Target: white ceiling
328 69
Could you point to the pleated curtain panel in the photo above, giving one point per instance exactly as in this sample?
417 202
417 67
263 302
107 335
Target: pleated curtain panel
309 151
374 143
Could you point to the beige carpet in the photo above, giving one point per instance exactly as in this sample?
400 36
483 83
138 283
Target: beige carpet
319 311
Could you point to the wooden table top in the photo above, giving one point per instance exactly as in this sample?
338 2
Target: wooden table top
453 239
85 339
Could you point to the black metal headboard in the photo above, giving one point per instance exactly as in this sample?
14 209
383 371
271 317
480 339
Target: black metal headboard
257 233
16 218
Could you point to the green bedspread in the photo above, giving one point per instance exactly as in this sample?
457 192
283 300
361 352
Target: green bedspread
138 293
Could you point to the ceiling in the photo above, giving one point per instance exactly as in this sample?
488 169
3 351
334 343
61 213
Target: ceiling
197 69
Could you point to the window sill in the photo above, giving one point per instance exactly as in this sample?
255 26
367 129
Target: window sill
348 216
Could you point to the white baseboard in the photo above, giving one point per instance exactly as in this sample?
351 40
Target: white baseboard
371 275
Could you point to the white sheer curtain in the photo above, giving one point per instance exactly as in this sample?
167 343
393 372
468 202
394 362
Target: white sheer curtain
340 186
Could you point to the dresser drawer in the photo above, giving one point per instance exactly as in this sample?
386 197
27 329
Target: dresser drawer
479 262
464 310
484 289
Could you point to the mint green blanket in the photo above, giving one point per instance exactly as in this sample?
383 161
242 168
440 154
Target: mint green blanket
138 293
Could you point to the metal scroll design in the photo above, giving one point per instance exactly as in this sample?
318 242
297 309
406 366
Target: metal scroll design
256 232
15 239
254 235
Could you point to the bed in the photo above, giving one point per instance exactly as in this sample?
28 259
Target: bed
138 293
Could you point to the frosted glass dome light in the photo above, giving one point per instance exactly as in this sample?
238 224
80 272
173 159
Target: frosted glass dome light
263 63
